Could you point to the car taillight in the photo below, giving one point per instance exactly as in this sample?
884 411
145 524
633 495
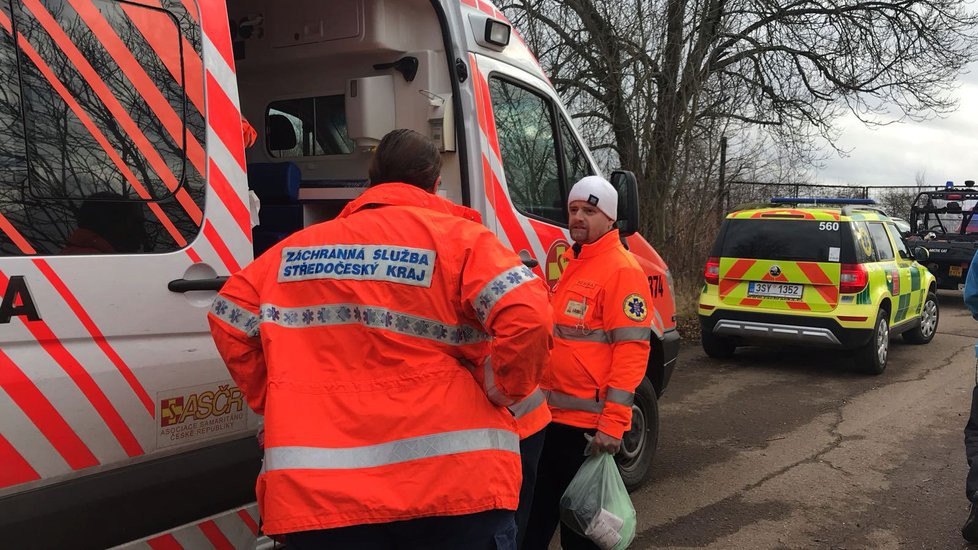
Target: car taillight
852 279
712 270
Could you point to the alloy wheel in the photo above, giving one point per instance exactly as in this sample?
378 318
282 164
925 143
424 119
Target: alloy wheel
928 320
882 341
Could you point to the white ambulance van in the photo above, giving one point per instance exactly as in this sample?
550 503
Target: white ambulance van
127 197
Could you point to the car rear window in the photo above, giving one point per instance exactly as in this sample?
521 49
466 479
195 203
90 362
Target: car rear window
791 240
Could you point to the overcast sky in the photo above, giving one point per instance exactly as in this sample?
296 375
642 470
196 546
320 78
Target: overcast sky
944 149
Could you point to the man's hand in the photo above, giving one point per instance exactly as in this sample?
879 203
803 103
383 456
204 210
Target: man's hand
604 443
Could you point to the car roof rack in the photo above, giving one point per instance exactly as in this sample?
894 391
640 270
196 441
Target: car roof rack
848 205
836 201
846 210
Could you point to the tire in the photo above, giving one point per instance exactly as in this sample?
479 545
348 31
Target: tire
871 358
717 347
639 443
930 314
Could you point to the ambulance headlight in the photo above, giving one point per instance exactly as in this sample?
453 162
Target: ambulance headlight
497 33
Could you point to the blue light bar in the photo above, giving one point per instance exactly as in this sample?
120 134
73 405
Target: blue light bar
813 200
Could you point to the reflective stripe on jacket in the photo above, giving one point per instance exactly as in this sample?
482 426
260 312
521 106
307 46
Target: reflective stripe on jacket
602 327
531 413
352 337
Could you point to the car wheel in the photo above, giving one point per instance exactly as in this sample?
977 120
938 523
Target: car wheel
718 347
871 358
638 443
930 314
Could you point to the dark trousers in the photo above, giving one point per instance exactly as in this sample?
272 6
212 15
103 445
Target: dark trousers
492 530
971 448
563 454
530 450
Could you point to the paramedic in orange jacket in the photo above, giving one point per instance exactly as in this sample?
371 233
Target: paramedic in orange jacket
602 327
356 339
532 416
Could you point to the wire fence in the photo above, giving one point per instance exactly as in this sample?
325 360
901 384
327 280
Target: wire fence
755 191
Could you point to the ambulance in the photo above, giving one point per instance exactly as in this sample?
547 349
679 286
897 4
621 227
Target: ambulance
128 196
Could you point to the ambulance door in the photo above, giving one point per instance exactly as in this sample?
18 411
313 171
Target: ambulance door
911 292
106 219
889 263
531 158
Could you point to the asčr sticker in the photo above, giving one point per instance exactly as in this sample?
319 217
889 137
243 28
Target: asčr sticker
200 413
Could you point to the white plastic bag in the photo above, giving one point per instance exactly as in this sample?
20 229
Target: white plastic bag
596 504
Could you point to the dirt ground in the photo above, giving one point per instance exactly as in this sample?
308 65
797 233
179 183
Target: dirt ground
790 448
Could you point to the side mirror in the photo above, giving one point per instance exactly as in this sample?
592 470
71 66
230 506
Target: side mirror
627 186
921 254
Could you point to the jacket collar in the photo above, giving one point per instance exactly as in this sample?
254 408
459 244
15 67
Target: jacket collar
402 194
609 241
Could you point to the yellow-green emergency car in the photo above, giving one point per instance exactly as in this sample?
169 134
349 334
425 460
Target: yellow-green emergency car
832 273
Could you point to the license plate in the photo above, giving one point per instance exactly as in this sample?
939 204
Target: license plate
774 290
954 271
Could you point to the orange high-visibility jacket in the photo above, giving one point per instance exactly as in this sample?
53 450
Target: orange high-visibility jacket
602 327
356 337
532 413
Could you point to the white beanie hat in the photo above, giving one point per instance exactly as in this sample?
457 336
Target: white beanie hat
597 192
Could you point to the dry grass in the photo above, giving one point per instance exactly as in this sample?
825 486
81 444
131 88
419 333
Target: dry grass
687 295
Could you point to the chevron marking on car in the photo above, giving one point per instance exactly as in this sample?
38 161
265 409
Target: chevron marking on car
736 275
520 237
97 335
141 81
84 381
726 286
226 147
786 213
780 278
226 531
41 412
16 469
737 270
188 71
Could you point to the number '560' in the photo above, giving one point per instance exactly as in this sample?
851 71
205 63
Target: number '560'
828 226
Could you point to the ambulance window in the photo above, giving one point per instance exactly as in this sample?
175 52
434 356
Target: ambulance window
307 127
110 111
865 251
901 246
884 250
785 239
576 165
525 129
107 105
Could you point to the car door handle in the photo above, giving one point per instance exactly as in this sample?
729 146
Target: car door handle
528 260
187 285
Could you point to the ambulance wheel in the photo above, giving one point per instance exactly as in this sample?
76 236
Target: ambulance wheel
930 314
871 358
638 444
717 347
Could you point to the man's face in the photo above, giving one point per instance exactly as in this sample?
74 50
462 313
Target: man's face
587 223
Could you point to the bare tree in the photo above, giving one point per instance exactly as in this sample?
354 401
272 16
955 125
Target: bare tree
654 81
